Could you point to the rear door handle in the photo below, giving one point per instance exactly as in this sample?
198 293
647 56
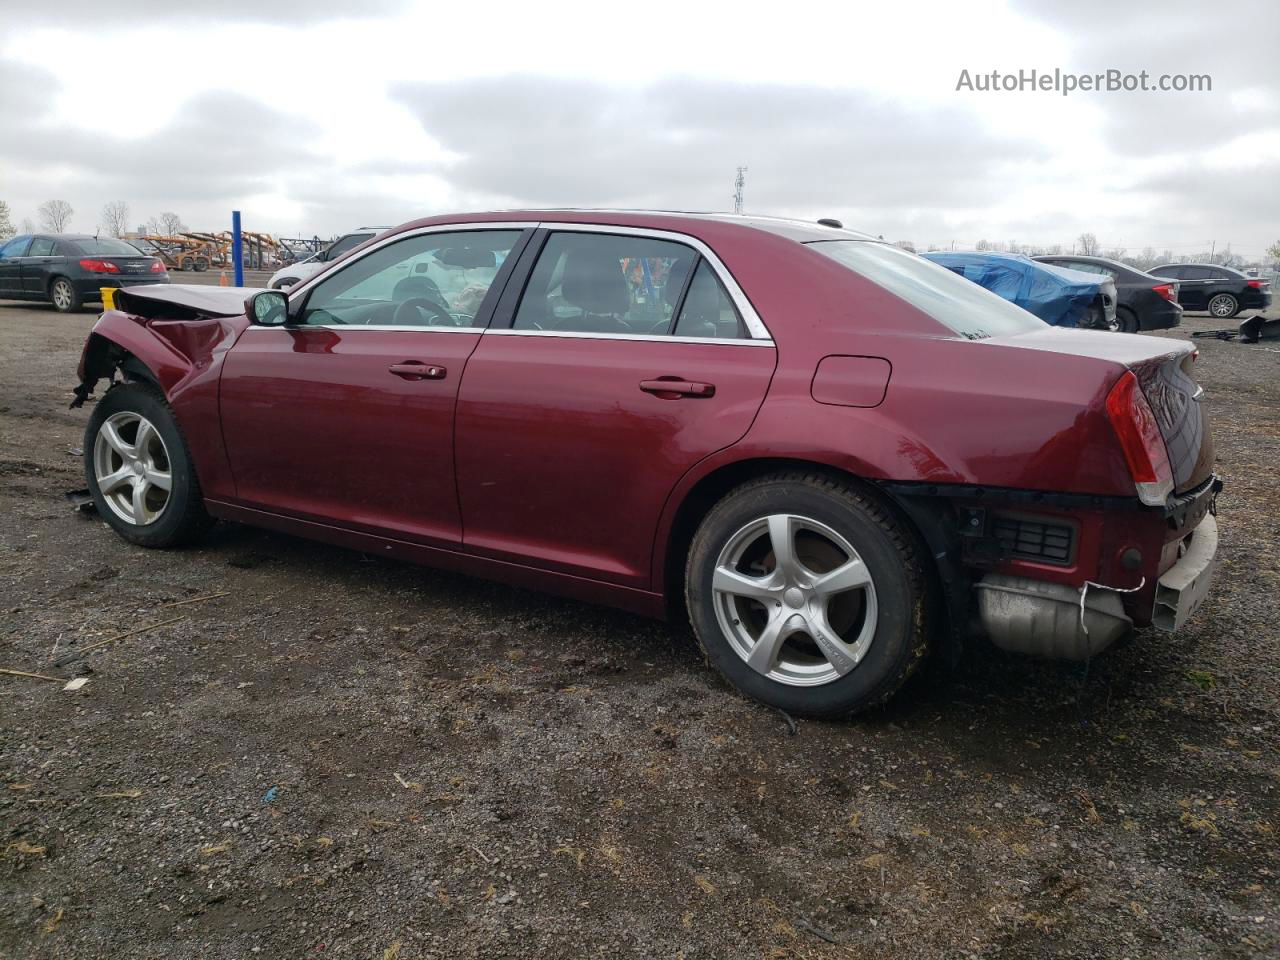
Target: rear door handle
672 388
417 370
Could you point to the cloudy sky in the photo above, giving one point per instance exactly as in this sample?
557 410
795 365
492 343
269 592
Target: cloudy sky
316 117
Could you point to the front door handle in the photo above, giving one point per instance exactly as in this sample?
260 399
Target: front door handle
672 388
417 370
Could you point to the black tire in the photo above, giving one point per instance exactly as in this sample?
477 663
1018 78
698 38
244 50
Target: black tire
1127 319
1227 306
904 616
64 296
183 519
200 265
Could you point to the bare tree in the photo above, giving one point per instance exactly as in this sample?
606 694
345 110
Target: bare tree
1088 245
6 225
171 223
115 217
1273 252
984 245
55 215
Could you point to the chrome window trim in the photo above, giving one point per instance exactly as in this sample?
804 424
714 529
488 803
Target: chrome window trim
755 326
648 337
364 326
760 335
306 285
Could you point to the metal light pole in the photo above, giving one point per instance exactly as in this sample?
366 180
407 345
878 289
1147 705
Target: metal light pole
237 248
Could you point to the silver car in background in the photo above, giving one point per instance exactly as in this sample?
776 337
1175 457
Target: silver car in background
286 277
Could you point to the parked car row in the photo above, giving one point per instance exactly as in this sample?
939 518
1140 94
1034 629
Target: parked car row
827 454
1222 291
70 269
1059 297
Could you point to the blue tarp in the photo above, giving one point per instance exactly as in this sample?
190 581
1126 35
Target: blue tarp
1057 296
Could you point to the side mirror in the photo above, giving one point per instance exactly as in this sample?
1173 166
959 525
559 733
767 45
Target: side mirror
267 308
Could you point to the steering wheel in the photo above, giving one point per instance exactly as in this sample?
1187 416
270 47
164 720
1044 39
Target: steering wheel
437 315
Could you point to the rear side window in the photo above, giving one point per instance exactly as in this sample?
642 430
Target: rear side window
707 310
605 283
958 304
343 244
41 247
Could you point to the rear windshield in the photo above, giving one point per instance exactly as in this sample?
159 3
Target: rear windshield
958 304
108 247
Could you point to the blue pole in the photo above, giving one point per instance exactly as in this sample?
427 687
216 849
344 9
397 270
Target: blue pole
237 248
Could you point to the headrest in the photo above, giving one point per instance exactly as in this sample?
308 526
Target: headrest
594 283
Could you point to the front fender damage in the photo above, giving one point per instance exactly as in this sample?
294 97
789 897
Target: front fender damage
166 352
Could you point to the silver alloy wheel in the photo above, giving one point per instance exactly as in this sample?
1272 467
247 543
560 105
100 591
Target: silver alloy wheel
62 294
1223 305
794 600
131 465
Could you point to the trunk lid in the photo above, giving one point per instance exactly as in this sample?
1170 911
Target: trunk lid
1164 368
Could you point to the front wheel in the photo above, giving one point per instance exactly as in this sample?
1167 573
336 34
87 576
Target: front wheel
808 595
64 296
138 469
1224 306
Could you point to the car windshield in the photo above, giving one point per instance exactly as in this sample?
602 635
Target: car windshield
108 247
958 304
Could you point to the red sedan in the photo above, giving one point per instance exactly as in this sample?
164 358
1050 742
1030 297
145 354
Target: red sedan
825 452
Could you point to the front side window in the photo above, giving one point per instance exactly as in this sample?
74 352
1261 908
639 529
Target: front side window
16 247
956 303
430 280
605 283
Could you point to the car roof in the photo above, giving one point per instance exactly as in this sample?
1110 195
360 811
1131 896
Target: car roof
1193 263
1107 261
684 221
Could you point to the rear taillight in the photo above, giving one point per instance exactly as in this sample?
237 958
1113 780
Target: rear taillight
157 267
1139 434
1257 284
99 266
1166 290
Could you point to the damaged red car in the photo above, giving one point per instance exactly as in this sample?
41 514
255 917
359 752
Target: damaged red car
825 453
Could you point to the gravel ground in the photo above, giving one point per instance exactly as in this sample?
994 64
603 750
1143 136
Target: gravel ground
350 758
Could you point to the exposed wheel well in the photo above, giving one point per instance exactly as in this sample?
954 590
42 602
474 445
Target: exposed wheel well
102 357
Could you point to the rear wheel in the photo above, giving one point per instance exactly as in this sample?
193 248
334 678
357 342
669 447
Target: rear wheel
138 469
1126 320
64 296
1224 306
807 595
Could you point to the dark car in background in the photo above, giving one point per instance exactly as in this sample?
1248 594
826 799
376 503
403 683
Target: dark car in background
1059 297
70 269
1143 302
1221 291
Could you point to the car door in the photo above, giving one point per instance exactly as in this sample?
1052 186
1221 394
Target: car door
345 414
1193 287
41 255
11 266
630 356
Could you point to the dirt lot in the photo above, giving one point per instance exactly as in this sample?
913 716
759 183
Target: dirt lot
360 759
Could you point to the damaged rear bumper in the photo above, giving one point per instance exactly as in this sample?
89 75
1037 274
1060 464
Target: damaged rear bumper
1061 622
